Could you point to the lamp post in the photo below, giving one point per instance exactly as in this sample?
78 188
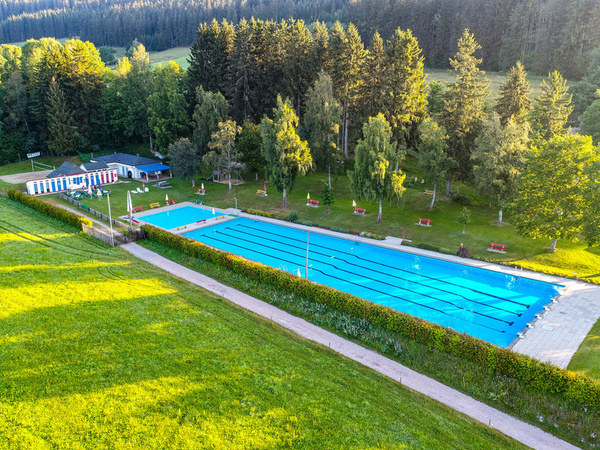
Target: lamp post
306 269
112 239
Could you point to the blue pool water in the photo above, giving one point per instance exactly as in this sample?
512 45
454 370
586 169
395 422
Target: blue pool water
489 305
179 217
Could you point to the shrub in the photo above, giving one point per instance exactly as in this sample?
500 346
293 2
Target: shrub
463 252
462 199
48 209
257 212
293 216
538 376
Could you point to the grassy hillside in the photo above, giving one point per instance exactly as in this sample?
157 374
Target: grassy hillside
100 350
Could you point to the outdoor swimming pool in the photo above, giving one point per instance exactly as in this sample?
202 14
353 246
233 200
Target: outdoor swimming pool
489 305
179 217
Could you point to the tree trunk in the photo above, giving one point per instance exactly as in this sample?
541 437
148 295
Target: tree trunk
380 208
329 175
433 196
284 196
464 225
346 116
449 186
150 137
229 181
500 217
553 245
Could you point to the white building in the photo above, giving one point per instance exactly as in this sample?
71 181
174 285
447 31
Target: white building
69 177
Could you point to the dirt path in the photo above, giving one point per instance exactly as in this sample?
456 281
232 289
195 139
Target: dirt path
24 177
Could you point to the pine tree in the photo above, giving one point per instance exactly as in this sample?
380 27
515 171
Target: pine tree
375 176
513 99
552 108
464 104
286 154
374 94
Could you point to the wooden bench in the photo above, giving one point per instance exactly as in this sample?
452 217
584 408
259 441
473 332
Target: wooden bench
424 222
430 193
154 205
261 192
361 211
201 191
171 201
494 247
137 208
312 202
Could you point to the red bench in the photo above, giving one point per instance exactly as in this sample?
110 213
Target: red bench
201 191
361 211
137 208
171 201
313 203
494 247
424 222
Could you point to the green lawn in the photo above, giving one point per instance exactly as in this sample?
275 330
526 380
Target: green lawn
101 350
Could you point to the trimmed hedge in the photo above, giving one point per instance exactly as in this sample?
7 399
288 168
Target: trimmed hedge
539 376
48 209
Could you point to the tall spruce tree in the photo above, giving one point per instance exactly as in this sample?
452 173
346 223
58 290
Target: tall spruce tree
552 108
407 106
513 98
375 175
63 133
211 108
374 93
347 56
464 104
286 154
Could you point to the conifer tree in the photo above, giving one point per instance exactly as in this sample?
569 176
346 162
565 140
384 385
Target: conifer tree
211 108
286 154
407 105
62 130
552 108
464 104
513 99
374 93
375 176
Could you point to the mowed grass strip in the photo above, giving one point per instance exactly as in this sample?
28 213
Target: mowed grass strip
138 359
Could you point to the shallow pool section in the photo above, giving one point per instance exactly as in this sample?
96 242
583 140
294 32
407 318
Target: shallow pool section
179 217
489 305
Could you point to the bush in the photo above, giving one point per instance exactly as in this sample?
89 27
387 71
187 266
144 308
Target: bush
293 216
462 199
48 209
257 212
538 376
463 252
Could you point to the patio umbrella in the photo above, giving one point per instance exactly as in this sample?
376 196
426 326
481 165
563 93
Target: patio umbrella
308 196
167 197
143 185
265 187
353 203
99 193
213 211
202 186
129 204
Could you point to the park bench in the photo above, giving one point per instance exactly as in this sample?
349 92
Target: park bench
430 193
361 211
201 191
494 247
424 222
261 192
312 202
171 201
137 208
154 205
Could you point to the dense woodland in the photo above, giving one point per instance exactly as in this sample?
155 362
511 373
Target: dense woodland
544 34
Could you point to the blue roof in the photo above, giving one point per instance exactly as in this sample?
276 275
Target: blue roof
153 168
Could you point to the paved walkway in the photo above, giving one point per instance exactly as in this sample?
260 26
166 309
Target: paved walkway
521 431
